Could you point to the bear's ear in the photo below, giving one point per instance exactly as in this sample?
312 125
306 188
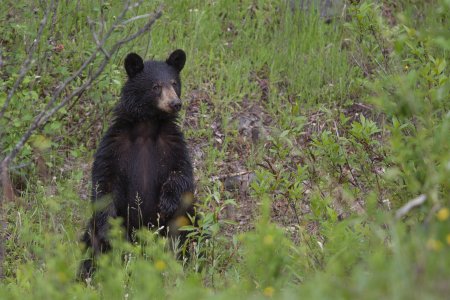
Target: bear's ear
177 59
133 64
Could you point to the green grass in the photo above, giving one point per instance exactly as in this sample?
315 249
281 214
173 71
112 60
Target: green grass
353 123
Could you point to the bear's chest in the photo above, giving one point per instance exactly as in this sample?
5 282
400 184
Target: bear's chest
146 156
144 160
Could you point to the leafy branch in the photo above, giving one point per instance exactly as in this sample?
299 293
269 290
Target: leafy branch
57 100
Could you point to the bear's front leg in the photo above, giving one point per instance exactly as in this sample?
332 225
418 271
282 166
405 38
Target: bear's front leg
172 191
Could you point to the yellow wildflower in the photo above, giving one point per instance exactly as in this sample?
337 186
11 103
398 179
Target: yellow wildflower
268 240
443 214
433 244
160 265
268 291
187 198
448 238
62 277
181 221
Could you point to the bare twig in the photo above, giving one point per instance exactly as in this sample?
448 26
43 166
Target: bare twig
361 66
363 105
51 39
8 194
355 181
1 59
135 18
2 247
5 181
50 109
95 37
220 177
410 205
28 63
8 190
52 106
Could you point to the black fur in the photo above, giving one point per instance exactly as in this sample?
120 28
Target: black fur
177 59
141 169
133 64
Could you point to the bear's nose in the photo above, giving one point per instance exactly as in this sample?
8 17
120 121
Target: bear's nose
175 105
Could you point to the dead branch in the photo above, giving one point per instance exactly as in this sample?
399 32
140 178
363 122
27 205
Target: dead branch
225 176
8 193
51 109
8 190
28 62
2 247
135 18
410 205
5 181
53 106
1 59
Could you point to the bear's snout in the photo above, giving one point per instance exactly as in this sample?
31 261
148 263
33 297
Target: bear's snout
175 105
169 100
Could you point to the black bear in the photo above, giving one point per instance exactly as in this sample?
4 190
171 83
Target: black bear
142 172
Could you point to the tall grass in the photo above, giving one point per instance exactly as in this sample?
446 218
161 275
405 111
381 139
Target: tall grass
355 126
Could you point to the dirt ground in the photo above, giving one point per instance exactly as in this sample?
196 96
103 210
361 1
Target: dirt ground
254 126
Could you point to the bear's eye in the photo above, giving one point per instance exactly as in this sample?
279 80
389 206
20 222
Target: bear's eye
156 88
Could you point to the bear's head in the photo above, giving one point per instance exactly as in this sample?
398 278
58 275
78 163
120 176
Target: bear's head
153 87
